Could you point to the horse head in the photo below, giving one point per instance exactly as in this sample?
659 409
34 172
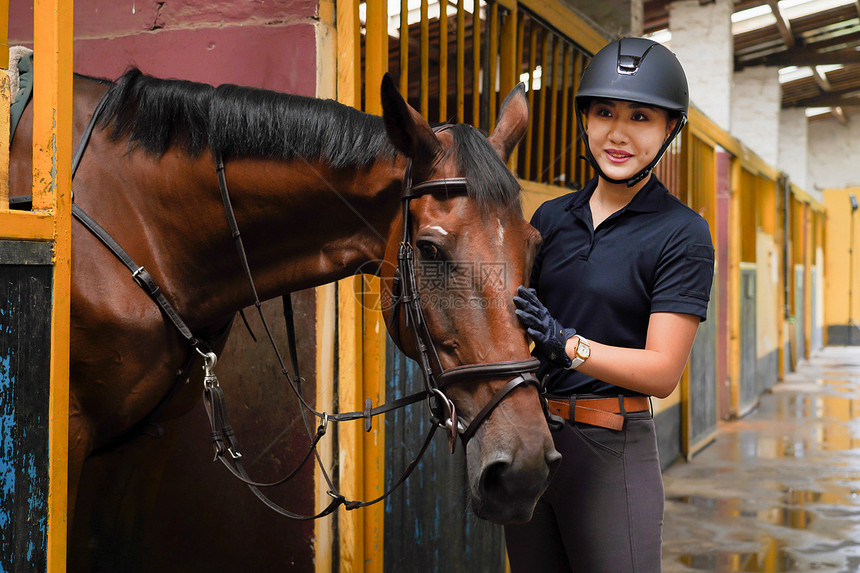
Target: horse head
454 260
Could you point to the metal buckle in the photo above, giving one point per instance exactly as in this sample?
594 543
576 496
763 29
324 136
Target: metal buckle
209 362
450 422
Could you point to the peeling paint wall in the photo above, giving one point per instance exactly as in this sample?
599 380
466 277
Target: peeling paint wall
260 43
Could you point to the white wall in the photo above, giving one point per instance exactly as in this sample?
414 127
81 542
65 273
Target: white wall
834 154
793 145
702 40
756 105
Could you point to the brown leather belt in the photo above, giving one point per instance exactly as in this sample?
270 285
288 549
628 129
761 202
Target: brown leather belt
603 412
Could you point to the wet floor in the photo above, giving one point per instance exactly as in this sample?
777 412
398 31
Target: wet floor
779 490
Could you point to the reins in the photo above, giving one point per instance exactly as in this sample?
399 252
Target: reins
436 378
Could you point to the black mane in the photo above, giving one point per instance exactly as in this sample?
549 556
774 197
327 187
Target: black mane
157 115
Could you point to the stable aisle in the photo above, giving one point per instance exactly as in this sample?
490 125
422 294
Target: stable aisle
779 490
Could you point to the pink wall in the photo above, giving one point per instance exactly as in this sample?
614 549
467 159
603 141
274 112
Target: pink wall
261 43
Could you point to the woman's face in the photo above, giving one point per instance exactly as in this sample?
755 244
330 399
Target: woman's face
624 137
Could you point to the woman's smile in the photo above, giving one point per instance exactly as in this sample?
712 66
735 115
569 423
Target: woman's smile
618 156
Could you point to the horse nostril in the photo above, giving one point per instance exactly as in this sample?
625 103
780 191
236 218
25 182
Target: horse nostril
492 480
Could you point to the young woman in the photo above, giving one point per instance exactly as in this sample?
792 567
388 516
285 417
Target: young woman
619 287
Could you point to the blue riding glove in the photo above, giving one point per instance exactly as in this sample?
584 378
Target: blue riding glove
550 337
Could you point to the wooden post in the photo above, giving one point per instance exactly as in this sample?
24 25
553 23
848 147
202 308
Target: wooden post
35 262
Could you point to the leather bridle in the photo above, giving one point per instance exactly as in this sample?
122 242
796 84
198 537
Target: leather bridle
436 379
406 295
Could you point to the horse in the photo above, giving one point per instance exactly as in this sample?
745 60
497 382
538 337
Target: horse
148 177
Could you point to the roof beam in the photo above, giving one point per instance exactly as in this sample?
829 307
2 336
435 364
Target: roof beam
825 101
802 57
782 23
821 78
839 114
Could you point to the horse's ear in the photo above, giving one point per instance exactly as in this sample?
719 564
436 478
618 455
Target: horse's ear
512 124
407 129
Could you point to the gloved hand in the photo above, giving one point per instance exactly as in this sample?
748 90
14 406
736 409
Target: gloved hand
550 337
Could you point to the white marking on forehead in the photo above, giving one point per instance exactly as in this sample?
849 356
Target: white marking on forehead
501 232
438 228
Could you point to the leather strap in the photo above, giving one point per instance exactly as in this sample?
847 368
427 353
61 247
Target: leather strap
489 370
602 412
449 185
491 405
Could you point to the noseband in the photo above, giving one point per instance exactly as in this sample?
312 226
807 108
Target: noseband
436 378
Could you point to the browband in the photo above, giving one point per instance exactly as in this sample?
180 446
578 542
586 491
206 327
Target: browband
452 185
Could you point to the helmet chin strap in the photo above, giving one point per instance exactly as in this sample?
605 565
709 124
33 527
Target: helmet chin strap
630 182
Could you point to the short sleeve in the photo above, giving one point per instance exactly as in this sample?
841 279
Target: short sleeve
685 272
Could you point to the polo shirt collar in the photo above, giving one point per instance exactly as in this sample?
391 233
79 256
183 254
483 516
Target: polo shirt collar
647 200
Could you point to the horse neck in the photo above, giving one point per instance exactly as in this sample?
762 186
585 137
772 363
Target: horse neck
302 224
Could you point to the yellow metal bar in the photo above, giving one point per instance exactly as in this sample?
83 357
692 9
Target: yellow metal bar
531 97
4 34
425 60
350 440
373 329
5 102
373 374
476 64
461 61
52 186
376 53
565 103
735 232
348 53
493 50
685 162
404 48
443 61
350 443
541 131
326 314
508 53
553 112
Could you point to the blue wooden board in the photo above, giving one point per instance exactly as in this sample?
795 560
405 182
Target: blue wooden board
25 356
428 525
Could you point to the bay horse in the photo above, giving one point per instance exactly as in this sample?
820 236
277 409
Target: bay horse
316 187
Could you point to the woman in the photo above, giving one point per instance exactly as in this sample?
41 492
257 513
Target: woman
620 285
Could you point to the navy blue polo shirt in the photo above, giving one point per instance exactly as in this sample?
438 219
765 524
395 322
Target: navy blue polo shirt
654 255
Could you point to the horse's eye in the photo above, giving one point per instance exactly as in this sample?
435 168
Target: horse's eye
429 251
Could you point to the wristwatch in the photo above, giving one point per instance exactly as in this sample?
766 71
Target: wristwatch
583 351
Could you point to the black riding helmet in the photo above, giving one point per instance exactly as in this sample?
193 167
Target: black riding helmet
635 70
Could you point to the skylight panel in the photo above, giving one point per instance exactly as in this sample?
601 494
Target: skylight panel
791 73
792 9
752 19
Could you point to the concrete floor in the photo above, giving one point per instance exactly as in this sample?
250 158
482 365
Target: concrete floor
779 490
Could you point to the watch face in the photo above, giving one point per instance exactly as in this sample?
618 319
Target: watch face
584 350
